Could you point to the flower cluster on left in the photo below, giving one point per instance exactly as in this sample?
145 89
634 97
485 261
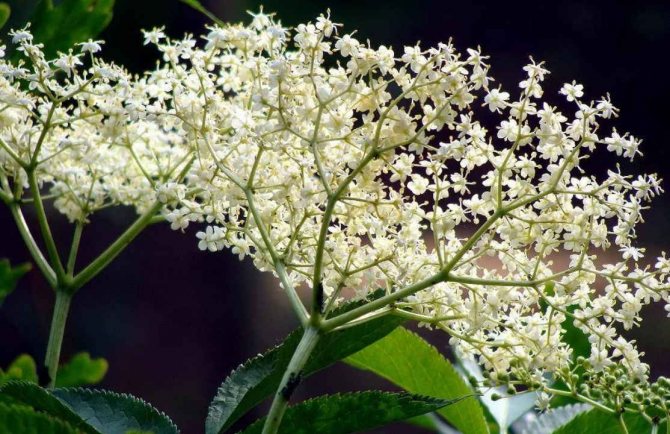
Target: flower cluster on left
83 127
81 133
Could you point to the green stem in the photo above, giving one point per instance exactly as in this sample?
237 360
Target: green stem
114 249
61 309
74 249
34 249
200 8
622 423
6 198
290 380
43 222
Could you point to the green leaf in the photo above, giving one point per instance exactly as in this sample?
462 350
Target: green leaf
195 4
5 12
60 27
599 422
431 422
81 370
258 378
407 360
114 413
351 412
9 276
23 420
92 411
34 396
22 368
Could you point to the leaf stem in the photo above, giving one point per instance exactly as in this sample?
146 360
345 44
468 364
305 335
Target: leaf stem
291 379
60 313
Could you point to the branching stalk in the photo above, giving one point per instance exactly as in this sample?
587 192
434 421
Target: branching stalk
99 264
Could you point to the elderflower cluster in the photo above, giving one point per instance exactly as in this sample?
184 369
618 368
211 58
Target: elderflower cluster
351 167
345 168
83 128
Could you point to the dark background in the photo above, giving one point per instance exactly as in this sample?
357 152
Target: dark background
173 321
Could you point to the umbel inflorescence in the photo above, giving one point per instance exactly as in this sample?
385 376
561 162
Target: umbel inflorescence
344 168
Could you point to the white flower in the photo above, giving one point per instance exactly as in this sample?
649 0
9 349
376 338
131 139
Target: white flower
418 185
211 239
572 91
20 36
154 36
630 252
91 46
496 100
68 63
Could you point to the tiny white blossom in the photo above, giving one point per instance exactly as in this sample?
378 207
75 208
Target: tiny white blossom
572 91
91 46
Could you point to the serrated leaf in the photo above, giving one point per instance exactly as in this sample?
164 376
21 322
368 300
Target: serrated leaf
599 422
81 370
407 360
9 277
115 413
71 21
351 412
92 411
22 368
23 420
255 380
550 420
41 400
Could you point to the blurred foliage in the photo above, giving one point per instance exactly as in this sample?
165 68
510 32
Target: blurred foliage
19 419
22 368
9 277
5 11
59 25
81 370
